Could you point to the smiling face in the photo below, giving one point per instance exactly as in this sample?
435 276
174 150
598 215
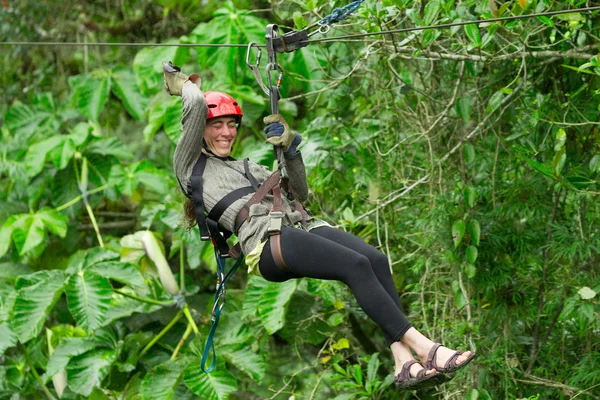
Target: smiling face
219 135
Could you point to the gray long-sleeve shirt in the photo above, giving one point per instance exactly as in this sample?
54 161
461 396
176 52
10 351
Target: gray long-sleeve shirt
224 176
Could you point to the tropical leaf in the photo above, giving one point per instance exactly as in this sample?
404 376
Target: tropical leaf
8 338
37 294
88 298
53 220
172 119
152 177
69 348
62 154
126 89
125 273
254 290
108 147
156 119
87 371
36 154
86 258
247 361
162 381
214 386
472 31
89 93
6 233
475 231
273 302
458 231
28 120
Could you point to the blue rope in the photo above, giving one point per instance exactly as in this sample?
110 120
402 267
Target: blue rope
209 347
340 13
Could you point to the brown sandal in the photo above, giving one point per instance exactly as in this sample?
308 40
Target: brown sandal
450 365
404 381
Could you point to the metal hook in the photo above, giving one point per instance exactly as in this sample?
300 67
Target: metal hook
258 55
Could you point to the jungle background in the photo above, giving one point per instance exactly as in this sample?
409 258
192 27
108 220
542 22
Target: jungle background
470 156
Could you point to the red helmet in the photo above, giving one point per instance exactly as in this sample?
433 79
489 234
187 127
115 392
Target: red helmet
221 104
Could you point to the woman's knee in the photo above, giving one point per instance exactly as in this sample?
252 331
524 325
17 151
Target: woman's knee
380 263
359 270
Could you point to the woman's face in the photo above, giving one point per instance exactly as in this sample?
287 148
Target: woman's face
219 135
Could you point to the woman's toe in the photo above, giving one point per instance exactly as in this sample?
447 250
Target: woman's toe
463 357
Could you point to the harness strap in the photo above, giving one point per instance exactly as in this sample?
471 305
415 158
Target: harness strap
256 198
249 176
275 229
219 208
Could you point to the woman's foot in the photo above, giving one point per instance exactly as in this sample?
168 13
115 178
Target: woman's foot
413 370
446 360
410 378
434 355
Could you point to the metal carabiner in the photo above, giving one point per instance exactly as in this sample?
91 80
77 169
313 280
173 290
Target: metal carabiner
254 67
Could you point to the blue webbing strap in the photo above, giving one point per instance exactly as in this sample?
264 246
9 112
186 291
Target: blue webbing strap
217 307
340 13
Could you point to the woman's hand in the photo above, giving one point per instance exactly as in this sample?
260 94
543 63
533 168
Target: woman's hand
174 79
279 134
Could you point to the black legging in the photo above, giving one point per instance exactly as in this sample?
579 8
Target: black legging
328 253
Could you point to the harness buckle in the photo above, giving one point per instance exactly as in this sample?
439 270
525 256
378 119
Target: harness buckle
275 222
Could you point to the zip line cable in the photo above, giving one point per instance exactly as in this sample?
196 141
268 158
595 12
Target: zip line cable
477 22
105 44
331 39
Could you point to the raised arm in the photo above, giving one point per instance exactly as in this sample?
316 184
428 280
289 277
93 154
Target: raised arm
189 146
195 111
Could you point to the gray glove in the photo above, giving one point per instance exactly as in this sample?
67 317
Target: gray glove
174 79
285 139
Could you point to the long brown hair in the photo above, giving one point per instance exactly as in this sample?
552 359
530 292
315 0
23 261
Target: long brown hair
189 217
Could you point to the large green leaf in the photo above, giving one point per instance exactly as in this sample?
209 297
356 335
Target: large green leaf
53 220
36 154
214 386
152 177
247 361
6 233
28 233
472 31
83 259
26 120
123 179
458 231
88 297
126 89
162 381
125 273
108 147
156 119
431 10
36 296
90 92
273 302
69 348
7 337
88 370
62 154
254 289
172 124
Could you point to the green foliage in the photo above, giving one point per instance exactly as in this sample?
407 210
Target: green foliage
470 156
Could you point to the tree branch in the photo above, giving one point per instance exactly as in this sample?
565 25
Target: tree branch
435 55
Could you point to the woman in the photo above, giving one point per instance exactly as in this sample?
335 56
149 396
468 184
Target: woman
210 123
